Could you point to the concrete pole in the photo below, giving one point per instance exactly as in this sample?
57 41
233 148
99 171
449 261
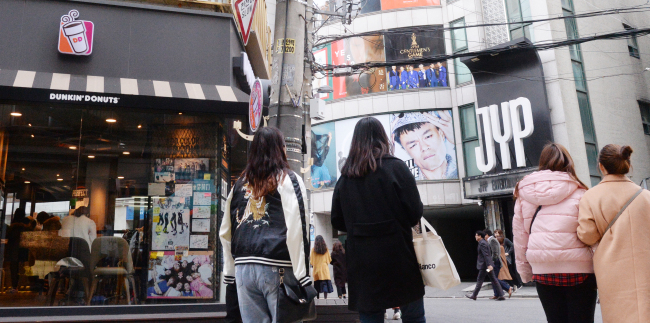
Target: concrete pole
288 81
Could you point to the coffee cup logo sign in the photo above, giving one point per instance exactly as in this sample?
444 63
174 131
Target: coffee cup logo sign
512 130
75 36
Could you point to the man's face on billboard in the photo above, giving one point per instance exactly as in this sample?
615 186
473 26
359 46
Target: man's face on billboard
425 145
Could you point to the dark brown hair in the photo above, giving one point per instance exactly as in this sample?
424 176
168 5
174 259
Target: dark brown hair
338 247
369 144
267 162
616 159
319 245
556 158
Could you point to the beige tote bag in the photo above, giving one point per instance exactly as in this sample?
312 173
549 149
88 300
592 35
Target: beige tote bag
436 266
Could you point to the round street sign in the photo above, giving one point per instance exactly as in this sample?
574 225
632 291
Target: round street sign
255 105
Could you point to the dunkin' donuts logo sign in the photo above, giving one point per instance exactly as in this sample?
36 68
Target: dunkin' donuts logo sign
75 36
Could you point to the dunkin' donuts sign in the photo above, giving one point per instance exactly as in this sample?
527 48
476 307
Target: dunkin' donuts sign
75 36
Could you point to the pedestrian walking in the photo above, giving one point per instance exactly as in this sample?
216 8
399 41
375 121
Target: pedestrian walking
264 229
320 259
485 266
509 249
340 268
376 201
622 259
504 273
495 252
548 250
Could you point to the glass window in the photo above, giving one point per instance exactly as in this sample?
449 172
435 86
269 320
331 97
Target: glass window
469 133
585 116
579 76
592 159
567 5
103 197
463 74
632 45
515 11
458 36
645 117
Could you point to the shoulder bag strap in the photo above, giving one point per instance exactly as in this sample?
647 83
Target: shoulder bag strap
621 211
530 230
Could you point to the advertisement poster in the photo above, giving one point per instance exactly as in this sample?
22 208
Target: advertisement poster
171 216
186 276
198 241
397 4
343 138
323 171
416 45
425 141
357 50
187 169
322 56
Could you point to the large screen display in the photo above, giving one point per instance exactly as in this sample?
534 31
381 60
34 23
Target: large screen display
424 140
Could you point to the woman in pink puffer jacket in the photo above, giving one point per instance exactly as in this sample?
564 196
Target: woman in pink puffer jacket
547 247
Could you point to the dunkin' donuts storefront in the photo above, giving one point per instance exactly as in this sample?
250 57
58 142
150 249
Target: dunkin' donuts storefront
513 117
115 160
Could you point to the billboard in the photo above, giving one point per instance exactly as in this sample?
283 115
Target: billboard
381 48
424 140
367 6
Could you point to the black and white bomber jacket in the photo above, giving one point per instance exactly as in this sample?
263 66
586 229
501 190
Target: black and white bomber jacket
278 236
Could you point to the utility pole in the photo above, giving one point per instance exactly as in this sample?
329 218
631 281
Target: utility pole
288 81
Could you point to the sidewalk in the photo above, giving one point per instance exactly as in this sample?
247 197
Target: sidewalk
467 287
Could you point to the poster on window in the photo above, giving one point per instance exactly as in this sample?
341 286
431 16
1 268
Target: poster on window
416 45
425 142
187 276
171 218
357 50
323 149
322 56
188 169
344 130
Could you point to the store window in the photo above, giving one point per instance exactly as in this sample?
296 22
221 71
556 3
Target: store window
469 134
110 206
459 45
645 116
632 45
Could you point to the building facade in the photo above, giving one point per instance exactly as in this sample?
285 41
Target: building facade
583 97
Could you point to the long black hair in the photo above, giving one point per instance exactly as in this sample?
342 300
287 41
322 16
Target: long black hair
369 144
267 162
319 245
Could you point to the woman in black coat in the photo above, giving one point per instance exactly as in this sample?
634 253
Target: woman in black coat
340 268
376 201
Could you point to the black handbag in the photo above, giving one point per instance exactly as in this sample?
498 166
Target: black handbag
295 303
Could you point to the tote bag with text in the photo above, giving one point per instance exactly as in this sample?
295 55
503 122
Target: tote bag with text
436 266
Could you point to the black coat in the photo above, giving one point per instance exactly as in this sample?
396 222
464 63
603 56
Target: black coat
377 211
340 269
484 258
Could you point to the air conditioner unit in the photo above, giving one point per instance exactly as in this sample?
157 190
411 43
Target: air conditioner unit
317 109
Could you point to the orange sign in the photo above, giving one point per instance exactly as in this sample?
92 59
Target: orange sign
396 4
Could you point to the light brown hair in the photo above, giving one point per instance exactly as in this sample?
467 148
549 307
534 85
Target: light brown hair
556 158
616 159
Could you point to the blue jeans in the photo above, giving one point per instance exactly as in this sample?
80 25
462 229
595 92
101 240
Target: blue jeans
411 313
257 290
504 285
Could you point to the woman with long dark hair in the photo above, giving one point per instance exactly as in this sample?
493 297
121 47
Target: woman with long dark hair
264 229
615 215
340 268
320 259
547 248
376 201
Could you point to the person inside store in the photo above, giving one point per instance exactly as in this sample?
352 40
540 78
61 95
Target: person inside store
495 252
264 230
547 247
48 222
14 254
320 260
376 201
485 266
509 251
620 225
79 225
423 135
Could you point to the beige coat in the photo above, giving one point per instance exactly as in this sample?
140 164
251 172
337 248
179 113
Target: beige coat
321 265
622 259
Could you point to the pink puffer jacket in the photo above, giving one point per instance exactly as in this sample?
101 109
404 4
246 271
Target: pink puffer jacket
553 246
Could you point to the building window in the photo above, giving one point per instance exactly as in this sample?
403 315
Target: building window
518 11
632 45
469 134
645 116
459 45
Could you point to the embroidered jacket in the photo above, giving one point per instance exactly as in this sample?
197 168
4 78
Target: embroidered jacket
270 231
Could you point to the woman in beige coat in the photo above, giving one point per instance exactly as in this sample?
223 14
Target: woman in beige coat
622 258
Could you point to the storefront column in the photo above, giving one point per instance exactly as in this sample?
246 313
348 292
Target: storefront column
493 215
323 227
